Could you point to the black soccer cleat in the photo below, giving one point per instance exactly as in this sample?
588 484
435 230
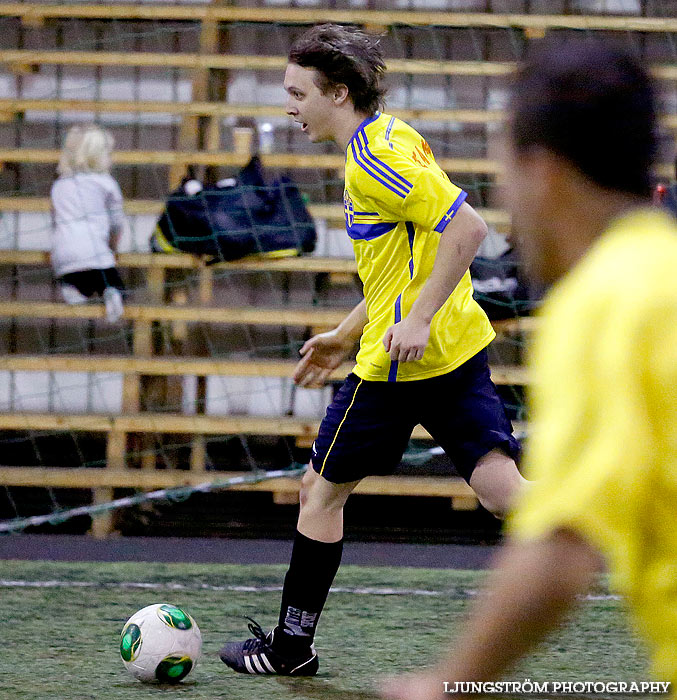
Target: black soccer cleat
257 656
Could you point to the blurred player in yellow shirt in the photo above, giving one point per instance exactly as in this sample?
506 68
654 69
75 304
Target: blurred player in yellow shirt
603 452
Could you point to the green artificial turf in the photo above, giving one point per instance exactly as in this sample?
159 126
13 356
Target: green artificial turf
61 642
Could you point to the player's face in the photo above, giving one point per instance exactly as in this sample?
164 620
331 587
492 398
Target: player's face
307 105
526 196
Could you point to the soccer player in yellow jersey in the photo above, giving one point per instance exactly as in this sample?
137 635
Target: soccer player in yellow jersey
604 404
422 356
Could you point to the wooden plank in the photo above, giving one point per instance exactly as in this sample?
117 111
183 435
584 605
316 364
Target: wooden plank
282 316
56 422
102 524
198 455
160 423
271 160
116 447
290 15
223 109
447 487
225 158
192 132
22 58
11 106
172 423
149 207
156 262
204 367
134 207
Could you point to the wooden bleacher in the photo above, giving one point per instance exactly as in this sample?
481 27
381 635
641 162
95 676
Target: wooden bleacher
135 207
10 107
36 12
142 363
198 366
311 317
118 428
288 161
22 60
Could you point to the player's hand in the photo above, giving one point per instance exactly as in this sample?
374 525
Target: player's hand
406 341
414 686
322 354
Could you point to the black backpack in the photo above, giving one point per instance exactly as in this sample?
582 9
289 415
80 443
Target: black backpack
243 217
499 287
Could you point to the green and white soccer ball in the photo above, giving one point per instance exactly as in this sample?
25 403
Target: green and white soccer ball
160 644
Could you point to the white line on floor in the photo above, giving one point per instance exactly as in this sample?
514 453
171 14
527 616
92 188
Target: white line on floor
170 586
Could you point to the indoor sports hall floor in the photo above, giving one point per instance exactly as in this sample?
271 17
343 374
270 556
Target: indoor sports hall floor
393 608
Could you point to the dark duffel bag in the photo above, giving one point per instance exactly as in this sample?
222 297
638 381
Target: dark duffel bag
236 218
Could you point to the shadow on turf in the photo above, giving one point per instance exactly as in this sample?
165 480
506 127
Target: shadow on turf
315 689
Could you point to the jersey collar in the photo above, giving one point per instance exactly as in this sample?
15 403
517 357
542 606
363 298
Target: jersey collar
361 127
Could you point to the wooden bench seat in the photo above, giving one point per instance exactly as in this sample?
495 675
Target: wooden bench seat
35 12
333 161
116 473
10 107
225 109
284 489
20 59
195 366
313 317
185 261
118 426
288 161
149 207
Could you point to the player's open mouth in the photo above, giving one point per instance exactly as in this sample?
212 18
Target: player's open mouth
304 126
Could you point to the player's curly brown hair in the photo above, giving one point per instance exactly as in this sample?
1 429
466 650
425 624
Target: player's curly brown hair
344 56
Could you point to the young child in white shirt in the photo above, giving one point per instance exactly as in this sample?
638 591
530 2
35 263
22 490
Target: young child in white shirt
88 220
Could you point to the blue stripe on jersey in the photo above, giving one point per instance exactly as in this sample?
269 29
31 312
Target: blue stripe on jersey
367 232
392 373
368 169
380 165
378 161
366 122
381 168
451 212
366 213
411 232
390 128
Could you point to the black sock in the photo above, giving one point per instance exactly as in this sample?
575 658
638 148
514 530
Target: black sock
311 572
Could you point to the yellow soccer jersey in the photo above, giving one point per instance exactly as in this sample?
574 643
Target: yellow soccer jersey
398 203
604 407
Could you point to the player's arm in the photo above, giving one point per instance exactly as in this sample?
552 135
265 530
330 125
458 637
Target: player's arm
324 352
533 586
406 341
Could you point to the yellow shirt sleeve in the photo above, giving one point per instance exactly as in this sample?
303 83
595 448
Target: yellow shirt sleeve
433 200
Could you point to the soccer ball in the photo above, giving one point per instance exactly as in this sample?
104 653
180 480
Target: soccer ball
160 643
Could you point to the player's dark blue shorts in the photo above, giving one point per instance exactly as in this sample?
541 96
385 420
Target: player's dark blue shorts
368 424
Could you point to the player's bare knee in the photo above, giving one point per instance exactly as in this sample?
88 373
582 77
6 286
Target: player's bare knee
497 482
307 482
322 496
